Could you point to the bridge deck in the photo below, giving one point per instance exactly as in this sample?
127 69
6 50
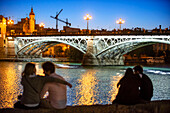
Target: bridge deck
101 34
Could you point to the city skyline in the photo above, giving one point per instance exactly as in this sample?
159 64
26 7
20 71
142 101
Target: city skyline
146 14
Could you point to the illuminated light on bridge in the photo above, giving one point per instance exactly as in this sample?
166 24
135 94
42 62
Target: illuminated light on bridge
41 24
87 17
120 21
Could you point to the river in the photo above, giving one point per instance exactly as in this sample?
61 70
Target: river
91 85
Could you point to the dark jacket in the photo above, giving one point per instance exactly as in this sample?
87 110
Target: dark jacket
146 91
128 93
30 96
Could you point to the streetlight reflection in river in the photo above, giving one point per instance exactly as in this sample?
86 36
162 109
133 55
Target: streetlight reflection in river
87 89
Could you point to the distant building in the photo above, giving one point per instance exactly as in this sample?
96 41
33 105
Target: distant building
2 31
24 27
161 47
58 50
3 40
31 21
68 29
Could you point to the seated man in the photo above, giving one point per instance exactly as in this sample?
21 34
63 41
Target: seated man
146 91
57 97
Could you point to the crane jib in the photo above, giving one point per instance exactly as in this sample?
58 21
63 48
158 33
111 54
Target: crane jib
66 22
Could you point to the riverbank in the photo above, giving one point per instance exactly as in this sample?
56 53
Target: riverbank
159 106
35 59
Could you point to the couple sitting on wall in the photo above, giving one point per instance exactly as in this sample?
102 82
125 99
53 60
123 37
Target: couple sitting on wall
35 87
134 87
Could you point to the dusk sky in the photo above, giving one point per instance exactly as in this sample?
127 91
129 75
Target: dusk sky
146 14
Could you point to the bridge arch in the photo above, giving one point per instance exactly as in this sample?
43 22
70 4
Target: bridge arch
131 45
37 43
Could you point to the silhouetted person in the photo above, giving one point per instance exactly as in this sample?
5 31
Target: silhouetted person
146 88
128 93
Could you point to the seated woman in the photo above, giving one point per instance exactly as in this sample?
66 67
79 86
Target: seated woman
128 93
32 86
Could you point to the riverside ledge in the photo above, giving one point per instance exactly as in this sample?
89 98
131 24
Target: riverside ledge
35 59
159 106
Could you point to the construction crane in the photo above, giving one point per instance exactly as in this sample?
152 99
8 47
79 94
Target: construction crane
56 17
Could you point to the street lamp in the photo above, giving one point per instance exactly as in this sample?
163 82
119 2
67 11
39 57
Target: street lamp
41 24
10 22
120 21
87 17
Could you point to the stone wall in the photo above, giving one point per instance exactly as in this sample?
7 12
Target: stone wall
162 106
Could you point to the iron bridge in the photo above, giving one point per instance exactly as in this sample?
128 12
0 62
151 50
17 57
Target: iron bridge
98 49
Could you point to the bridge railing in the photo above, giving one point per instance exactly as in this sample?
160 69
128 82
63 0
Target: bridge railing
94 33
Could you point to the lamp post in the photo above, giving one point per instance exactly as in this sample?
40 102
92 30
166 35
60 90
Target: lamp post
87 17
41 25
10 22
120 21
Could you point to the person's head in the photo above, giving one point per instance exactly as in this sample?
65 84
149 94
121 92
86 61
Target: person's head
48 68
29 69
129 72
138 69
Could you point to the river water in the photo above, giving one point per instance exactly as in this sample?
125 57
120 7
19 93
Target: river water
91 85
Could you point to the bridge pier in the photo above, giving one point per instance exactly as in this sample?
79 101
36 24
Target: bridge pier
89 58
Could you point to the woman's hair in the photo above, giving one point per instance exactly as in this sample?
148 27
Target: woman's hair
129 72
29 69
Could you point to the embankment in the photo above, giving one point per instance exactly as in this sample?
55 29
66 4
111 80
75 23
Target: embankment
161 106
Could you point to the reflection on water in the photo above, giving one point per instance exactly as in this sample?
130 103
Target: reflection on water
113 92
39 70
10 78
86 90
9 88
91 85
